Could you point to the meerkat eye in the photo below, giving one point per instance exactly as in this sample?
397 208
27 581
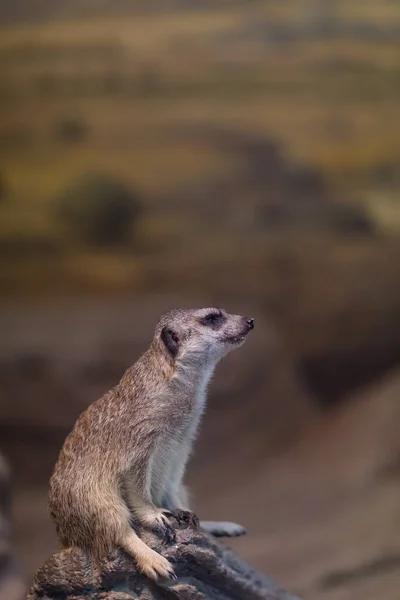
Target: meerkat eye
212 318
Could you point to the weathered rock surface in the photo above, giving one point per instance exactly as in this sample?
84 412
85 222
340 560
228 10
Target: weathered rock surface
205 568
11 584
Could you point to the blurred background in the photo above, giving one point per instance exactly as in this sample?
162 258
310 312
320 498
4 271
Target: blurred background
157 154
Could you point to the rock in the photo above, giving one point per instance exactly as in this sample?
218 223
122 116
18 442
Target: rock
11 584
206 570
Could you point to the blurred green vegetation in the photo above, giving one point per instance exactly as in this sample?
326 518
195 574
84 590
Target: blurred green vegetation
148 99
100 211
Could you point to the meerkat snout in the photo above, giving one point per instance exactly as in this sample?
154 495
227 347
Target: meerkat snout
250 322
121 467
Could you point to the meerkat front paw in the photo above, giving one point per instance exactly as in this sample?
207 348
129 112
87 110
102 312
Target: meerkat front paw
223 528
186 517
159 522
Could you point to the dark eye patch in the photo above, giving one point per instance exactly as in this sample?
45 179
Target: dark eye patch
213 319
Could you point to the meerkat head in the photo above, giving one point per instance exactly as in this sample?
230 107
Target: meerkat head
205 333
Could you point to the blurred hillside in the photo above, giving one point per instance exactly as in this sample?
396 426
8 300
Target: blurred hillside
270 117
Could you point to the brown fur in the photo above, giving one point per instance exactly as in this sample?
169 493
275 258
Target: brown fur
123 462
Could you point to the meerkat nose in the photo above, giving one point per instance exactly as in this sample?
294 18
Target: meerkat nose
250 322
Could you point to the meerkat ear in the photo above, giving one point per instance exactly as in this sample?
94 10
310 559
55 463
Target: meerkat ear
171 340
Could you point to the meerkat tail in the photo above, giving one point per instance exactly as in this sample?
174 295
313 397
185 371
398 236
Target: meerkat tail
223 528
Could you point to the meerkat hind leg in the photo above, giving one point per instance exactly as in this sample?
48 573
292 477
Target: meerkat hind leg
149 562
223 528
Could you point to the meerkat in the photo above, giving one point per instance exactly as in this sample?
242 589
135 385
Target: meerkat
122 465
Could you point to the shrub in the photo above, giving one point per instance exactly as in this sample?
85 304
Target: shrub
71 130
99 210
350 219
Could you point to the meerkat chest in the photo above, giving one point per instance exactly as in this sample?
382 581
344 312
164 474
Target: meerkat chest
190 394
